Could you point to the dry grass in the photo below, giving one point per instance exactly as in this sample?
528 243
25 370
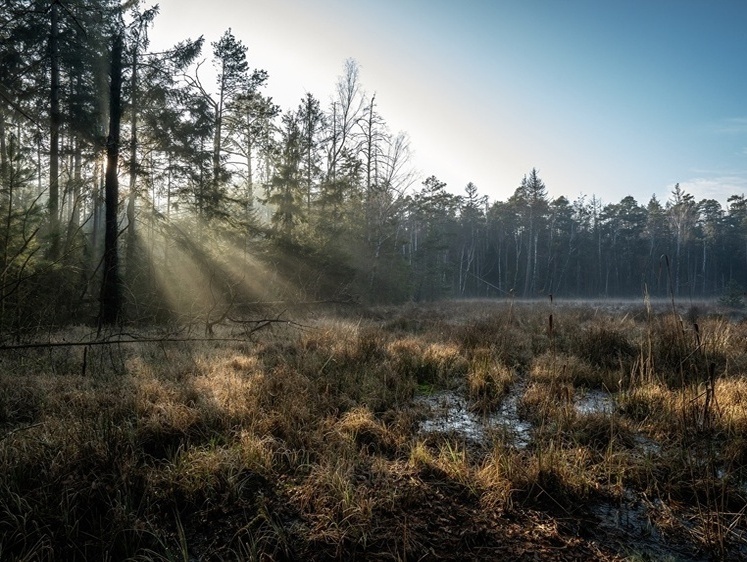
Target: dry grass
488 381
303 443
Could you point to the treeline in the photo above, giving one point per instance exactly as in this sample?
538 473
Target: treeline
535 246
131 188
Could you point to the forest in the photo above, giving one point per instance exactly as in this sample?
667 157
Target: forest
122 171
235 331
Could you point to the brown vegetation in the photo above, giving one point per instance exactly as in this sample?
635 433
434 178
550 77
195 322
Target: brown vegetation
307 443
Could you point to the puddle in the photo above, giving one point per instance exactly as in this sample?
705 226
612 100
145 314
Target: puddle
594 402
647 445
519 430
630 515
629 525
448 412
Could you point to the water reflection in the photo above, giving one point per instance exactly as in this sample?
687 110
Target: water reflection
448 411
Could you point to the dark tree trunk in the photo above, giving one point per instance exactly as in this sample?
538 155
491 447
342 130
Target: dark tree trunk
111 295
77 186
54 130
3 149
131 243
217 138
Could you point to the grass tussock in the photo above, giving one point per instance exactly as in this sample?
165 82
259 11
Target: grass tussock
308 443
488 380
551 368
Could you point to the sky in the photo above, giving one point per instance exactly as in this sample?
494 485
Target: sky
604 97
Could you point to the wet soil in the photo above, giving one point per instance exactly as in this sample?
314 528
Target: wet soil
623 528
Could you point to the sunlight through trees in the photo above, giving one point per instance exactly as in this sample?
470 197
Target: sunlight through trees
310 203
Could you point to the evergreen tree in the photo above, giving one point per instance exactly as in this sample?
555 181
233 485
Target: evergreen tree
250 123
285 191
532 196
656 233
681 213
709 230
623 227
562 243
471 251
313 123
229 60
735 241
432 226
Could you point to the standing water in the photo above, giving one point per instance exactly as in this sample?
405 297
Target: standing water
448 411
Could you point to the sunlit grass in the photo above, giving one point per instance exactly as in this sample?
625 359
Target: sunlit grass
488 380
304 442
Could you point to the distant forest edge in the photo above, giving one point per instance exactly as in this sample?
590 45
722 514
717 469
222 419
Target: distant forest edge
131 189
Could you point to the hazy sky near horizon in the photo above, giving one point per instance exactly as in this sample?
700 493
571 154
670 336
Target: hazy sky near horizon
612 98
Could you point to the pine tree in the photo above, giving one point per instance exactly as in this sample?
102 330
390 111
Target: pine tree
532 195
681 215
285 191
229 59
313 122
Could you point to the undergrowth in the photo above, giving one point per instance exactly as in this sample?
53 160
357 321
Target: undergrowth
305 441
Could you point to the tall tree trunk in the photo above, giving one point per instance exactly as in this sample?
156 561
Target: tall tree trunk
131 244
217 148
530 240
249 169
111 295
309 164
500 266
704 270
677 263
217 138
54 131
8 178
517 251
3 149
96 220
534 264
77 186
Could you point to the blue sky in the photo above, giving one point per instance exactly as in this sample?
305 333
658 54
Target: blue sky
611 98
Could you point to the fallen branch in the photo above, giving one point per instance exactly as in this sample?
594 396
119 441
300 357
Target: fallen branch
350 301
261 324
112 342
264 322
